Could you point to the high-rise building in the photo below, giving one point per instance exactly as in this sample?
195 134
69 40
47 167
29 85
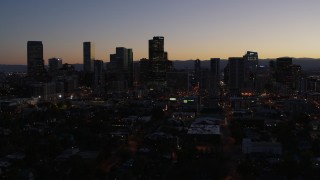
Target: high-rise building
158 59
263 80
236 73
251 63
205 81
88 56
283 63
197 72
283 70
144 74
130 68
35 58
296 71
288 73
121 67
99 80
54 64
226 74
122 60
156 49
214 75
153 70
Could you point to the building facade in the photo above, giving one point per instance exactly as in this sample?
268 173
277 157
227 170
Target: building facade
54 64
159 64
120 69
88 56
35 60
236 73
214 76
251 63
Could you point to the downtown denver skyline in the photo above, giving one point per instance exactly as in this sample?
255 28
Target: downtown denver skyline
192 29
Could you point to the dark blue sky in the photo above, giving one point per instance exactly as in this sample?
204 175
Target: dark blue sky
192 29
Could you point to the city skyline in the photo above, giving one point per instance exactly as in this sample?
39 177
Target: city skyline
193 30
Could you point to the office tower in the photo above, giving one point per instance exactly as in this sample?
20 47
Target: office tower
88 56
296 71
130 68
99 80
122 60
288 73
205 80
54 64
226 74
121 68
159 63
156 49
283 70
263 79
144 74
136 74
214 75
283 63
236 74
35 58
197 72
251 62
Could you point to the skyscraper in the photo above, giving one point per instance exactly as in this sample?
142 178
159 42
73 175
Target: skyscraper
88 56
35 58
284 70
122 60
99 80
283 63
251 62
197 72
158 61
54 64
130 67
121 66
236 73
144 74
214 75
156 49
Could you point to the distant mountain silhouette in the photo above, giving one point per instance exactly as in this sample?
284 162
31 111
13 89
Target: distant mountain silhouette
305 63
13 68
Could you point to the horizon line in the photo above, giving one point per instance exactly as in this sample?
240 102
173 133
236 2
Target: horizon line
223 59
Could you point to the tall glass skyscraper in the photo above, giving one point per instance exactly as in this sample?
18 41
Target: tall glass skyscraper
35 58
214 75
54 64
251 63
122 64
158 61
236 73
156 49
88 56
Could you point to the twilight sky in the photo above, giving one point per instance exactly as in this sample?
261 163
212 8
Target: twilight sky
192 28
